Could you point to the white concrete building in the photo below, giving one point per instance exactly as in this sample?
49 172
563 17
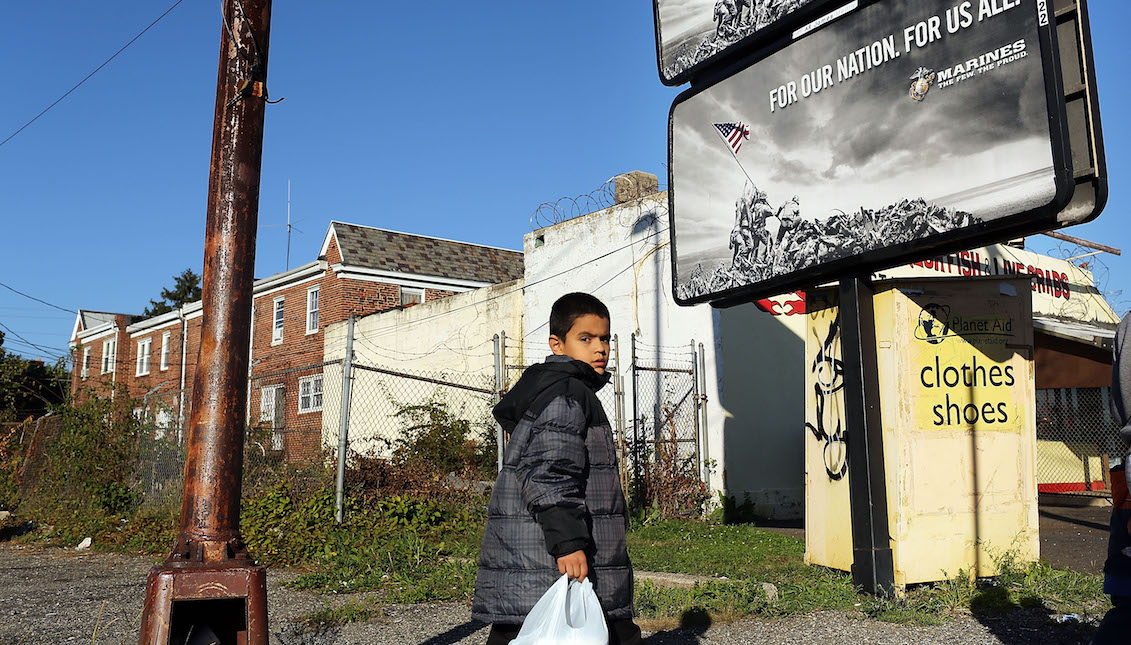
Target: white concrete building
754 371
449 339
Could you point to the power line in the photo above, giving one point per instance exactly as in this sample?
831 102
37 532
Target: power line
26 341
70 311
87 77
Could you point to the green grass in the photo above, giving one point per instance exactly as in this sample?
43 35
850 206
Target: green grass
745 556
361 610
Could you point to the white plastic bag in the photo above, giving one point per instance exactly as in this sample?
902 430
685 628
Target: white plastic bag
567 614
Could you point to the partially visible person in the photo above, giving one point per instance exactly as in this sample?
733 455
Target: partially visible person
1116 625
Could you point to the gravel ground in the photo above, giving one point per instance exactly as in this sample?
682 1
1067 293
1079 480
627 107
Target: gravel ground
65 596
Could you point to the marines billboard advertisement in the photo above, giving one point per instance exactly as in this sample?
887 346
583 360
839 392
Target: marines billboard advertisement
894 132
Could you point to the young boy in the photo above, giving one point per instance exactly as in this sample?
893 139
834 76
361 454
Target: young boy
557 507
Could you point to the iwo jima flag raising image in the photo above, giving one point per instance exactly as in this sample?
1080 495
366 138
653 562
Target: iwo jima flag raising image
691 34
900 128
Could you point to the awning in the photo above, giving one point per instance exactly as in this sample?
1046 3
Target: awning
1095 335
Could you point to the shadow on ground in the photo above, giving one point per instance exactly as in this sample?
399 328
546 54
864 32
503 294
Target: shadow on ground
10 530
1074 518
692 625
1031 623
456 634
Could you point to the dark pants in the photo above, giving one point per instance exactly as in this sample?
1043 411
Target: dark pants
1116 625
621 632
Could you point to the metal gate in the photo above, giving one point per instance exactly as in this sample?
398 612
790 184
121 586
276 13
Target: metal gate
666 455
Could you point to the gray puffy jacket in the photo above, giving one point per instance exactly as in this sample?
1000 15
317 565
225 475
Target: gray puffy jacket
558 492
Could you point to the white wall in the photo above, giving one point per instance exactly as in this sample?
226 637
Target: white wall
754 360
450 337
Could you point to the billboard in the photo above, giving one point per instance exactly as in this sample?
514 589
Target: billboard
897 131
695 34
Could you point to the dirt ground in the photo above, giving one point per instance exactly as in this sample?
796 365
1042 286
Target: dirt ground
68 596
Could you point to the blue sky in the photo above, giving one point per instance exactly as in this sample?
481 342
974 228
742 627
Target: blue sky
456 123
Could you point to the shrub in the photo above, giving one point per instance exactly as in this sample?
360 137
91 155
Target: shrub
89 461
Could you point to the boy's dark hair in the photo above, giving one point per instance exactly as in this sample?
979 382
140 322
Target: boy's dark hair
570 307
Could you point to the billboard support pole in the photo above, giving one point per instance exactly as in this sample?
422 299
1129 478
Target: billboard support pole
872 564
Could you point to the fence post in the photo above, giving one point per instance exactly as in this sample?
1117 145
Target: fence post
637 453
703 415
344 424
498 395
618 390
618 412
695 392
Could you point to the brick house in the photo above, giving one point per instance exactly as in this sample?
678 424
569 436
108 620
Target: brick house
359 269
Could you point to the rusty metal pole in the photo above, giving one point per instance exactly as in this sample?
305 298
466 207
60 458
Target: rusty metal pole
209 586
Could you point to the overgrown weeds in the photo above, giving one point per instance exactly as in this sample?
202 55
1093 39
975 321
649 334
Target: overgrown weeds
410 549
668 484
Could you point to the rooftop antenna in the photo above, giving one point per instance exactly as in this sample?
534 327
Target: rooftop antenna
289 226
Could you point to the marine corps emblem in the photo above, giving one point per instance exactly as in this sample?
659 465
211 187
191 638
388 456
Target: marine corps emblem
921 83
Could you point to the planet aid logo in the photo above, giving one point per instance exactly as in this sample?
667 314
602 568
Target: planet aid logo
934 323
963 376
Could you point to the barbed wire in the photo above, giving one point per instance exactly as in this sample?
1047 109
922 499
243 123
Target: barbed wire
604 196
1089 260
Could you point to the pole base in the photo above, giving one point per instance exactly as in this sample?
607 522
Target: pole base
214 604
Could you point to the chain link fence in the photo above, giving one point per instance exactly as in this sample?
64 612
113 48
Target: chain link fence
293 431
400 418
666 428
1077 441
386 404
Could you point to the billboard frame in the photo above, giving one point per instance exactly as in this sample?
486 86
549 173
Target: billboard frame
813 10
1087 91
1027 222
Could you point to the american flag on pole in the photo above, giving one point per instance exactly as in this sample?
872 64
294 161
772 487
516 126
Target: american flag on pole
734 134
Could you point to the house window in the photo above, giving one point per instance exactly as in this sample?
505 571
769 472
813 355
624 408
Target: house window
277 323
85 362
109 355
165 350
312 310
310 394
411 296
143 347
272 408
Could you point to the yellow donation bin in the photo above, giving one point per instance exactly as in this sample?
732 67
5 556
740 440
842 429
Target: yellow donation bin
957 400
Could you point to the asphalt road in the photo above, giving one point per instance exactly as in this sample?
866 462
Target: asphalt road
1075 538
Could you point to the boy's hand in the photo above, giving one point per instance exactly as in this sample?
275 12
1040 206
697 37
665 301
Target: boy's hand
574 565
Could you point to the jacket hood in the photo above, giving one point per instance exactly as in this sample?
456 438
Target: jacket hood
539 377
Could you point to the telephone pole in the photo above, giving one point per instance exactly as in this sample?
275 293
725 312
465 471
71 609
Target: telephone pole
209 587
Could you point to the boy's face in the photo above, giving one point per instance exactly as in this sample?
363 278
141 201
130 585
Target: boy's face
586 341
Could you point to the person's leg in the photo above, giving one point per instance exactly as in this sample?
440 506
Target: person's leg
501 633
624 632
1116 623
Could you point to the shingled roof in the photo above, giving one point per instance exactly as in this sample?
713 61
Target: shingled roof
374 248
